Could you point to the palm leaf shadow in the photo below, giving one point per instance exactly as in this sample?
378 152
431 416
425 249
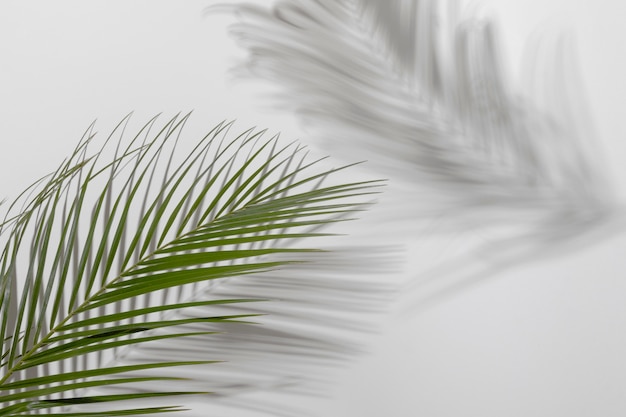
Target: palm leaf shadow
421 91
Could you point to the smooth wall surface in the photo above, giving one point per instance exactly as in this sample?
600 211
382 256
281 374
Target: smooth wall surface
545 339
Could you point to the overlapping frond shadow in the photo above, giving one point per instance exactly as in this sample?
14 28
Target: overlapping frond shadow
317 321
101 257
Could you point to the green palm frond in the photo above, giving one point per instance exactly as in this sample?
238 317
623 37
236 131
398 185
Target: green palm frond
99 255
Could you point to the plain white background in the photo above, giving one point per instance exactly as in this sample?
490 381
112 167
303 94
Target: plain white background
543 340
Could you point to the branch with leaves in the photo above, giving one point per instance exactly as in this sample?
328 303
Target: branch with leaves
99 255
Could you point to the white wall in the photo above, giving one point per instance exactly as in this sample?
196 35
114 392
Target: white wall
543 340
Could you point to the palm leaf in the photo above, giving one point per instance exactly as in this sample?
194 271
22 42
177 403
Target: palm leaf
419 89
98 253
